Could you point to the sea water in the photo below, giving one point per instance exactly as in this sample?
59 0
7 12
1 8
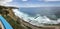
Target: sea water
39 15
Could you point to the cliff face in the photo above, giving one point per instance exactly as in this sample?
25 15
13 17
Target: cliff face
4 10
8 14
21 24
18 23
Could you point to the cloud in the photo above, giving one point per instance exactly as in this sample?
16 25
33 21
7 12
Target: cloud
3 2
7 3
24 0
51 0
38 5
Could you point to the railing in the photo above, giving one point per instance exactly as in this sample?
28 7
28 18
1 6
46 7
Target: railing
5 23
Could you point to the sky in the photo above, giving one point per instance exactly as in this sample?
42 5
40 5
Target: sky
37 3
31 3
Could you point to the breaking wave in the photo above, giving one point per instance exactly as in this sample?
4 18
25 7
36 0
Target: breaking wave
38 20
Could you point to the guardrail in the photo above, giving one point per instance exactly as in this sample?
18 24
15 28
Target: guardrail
5 23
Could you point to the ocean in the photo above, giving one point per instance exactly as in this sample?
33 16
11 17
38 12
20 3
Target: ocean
51 12
44 15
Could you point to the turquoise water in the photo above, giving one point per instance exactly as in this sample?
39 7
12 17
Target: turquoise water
5 23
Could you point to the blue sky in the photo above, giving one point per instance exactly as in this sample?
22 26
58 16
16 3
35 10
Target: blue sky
35 2
31 3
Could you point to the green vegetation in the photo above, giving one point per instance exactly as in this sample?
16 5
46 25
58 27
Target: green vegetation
28 27
14 24
4 11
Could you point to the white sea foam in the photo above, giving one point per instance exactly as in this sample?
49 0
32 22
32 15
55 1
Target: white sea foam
35 21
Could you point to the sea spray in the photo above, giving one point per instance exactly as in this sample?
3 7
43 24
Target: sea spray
38 20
